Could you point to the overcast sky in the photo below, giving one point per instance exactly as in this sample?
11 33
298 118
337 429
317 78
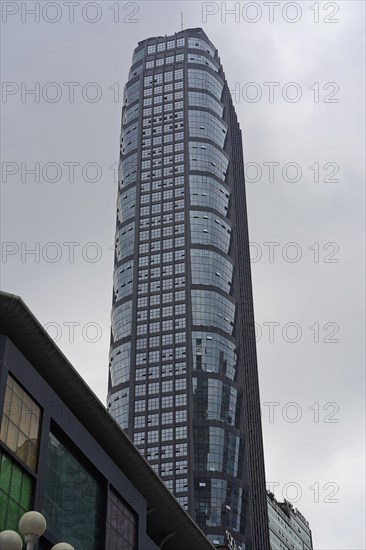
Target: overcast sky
296 71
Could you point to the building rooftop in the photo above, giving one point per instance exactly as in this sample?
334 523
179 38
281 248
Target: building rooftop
287 508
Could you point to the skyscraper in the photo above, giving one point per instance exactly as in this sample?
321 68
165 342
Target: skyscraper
183 376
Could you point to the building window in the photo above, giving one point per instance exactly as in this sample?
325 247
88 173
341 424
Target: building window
121 531
71 499
15 494
20 424
181 485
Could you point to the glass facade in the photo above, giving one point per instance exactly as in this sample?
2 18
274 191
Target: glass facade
15 493
121 525
71 499
20 424
177 362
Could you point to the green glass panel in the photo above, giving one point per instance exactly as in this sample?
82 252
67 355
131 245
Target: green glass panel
16 484
26 492
14 514
3 510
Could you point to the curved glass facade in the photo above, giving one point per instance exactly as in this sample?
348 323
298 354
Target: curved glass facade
181 377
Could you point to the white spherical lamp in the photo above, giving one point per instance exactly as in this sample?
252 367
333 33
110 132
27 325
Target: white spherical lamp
62 546
32 525
10 540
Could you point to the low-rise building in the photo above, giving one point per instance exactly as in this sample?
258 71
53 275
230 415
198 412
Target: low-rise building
62 454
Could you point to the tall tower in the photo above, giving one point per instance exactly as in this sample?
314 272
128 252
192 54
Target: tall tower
183 376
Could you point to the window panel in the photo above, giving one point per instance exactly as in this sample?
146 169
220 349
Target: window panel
204 80
118 407
121 321
216 450
202 99
206 191
20 424
206 125
206 228
15 493
205 157
66 483
121 527
123 279
125 241
214 399
211 268
120 363
214 353
211 309
198 44
131 92
203 60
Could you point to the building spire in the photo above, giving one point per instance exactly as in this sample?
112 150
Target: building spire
181 20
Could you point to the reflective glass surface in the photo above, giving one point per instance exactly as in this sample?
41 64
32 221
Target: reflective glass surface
20 424
203 60
199 44
132 92
207 192
203 99
211 268
214 353
130 113
15 493
218 503
203 124
125 241
216 450
126 204
71 499
119 364
121 321
122 279
214 399
211 309
118 406
206 228
127 170
121 525
205 157
204 80
129 136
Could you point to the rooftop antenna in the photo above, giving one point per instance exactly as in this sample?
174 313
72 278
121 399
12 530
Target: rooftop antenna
181 20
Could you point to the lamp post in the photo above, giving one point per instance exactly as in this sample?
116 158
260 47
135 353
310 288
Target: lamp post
32 525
